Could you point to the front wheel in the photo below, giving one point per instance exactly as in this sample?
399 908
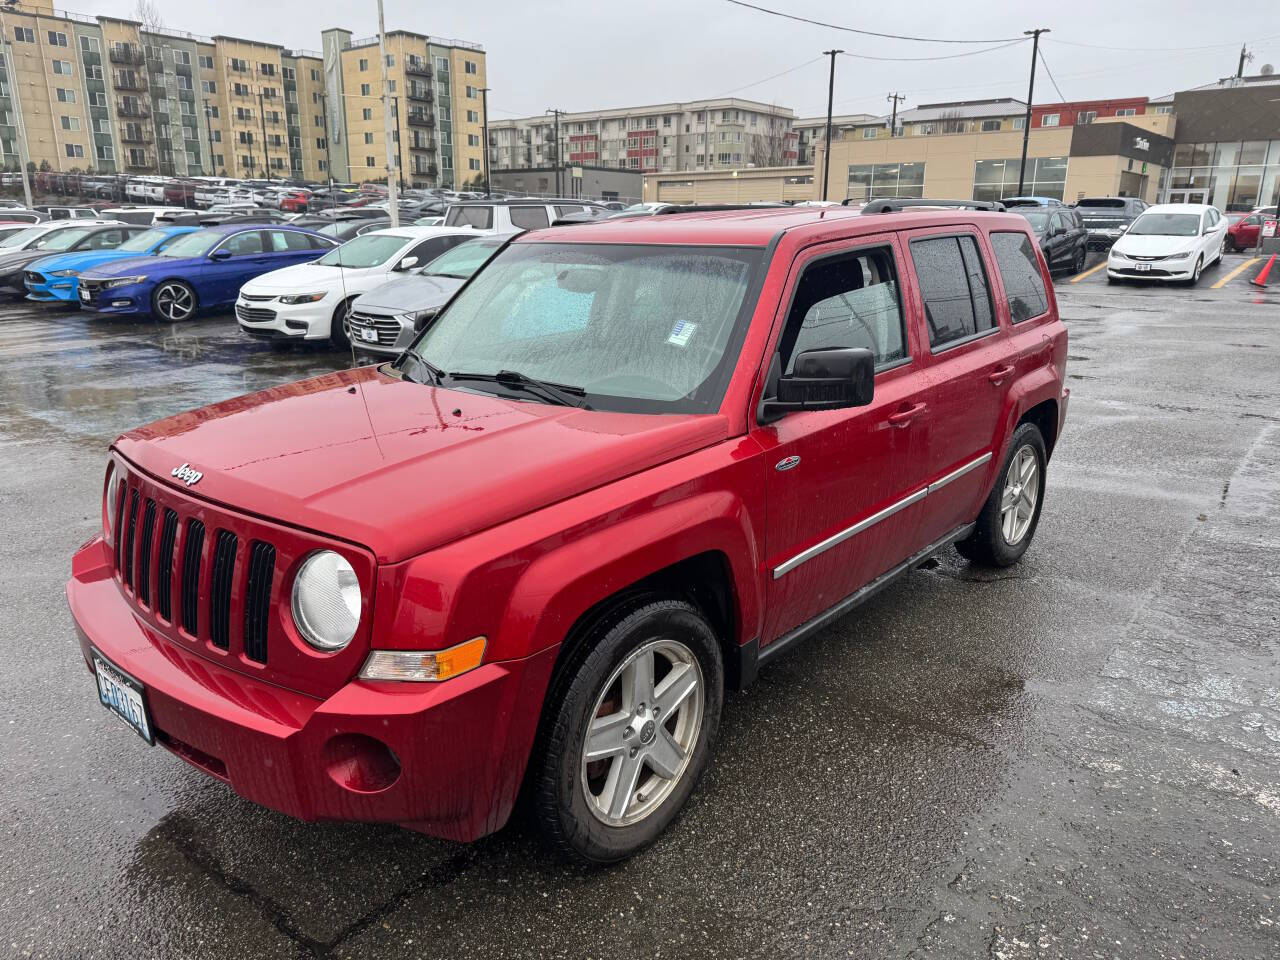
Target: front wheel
629 729
1081 257
338 324
1195 275
174 301
1011 513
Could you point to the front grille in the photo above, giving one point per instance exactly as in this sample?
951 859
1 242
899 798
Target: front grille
90 289
224 565
1130 272
257 606
33 277
191 553
1144 259
254 314
387 328
256 297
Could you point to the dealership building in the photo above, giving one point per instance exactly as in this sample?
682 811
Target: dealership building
1214 144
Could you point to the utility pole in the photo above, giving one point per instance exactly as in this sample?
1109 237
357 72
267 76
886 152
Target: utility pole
208 126
1031 89
266 153
556 137
1244 56
831 92
393 196
328 160
24 157
484 127
395 109
893 120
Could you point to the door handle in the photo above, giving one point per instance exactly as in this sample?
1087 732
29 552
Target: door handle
904 417
998 375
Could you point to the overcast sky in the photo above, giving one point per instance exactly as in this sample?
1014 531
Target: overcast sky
587 54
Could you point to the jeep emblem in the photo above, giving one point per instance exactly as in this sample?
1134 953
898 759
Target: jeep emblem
186 474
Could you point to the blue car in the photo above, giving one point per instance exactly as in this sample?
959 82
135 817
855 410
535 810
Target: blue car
203 270
57 279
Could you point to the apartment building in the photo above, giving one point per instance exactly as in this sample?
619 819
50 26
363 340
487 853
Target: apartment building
812 130
699 135
108 95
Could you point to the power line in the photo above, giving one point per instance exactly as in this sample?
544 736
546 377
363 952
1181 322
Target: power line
1208 46
747 86
951 56
1045 64
865 33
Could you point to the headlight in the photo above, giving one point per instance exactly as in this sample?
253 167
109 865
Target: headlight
326 601
302 298
1178 256
109 504
63 273
123 281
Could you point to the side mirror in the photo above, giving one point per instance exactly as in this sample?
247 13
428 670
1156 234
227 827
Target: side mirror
219 255
407 263
821 380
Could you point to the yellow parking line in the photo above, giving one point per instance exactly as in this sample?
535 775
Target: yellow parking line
1088 273
1235 273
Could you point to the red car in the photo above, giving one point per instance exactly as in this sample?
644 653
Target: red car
629 464
295 201
1243 233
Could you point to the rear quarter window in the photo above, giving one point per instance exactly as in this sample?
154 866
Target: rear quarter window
1020 271
479 217
529 218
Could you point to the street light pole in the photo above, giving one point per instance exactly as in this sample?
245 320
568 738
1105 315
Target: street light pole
266 153
484 127
395 109
556 146
1031 88
328 160
831 91
208 126
393 196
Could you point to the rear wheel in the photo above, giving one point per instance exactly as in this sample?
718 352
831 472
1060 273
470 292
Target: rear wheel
1011 513
629 730
174 301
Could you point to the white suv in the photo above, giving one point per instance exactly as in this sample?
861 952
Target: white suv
510 216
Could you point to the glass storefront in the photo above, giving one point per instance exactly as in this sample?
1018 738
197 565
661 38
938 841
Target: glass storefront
878 180
995 179
1231 176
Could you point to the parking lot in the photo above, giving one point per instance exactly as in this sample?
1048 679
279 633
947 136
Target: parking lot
1078 756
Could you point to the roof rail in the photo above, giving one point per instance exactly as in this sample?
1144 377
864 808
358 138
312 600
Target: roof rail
719 207
898 204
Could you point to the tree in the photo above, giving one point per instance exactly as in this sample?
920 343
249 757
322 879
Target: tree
768 148
147 13
44 166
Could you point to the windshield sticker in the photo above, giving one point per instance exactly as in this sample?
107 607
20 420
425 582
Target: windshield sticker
681 333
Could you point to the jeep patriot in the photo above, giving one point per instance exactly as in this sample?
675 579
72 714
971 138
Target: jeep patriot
630 463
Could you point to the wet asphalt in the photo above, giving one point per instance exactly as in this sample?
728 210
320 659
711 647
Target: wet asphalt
1076 757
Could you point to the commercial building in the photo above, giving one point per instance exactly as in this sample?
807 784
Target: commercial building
811 130
586 181
717 134
108 95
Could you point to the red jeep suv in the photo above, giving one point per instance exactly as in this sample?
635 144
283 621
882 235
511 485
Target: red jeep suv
627 465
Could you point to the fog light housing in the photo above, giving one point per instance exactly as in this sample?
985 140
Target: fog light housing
424 666
360 763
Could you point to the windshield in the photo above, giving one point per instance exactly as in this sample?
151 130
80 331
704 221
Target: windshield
371 250
1036 217
640 208
62 239
639 328
1113 203
142 242
463 260
192 244
1166 225
20 239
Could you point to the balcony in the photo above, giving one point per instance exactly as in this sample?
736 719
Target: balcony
417 119
142 161
428 170
135 135
426 146
128 80
418 92
127 54
415 67
126 108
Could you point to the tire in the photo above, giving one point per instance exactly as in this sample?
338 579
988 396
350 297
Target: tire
1195 276
578 804
995 542
1081 259
337 324
174 301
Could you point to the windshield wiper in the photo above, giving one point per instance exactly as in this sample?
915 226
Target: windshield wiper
558 393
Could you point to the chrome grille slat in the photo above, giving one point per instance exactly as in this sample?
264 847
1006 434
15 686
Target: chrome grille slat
254 314
388 328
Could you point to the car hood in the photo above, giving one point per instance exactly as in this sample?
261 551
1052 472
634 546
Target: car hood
402 467
301 278
410 294
85 260
18 259
129 266
1153 246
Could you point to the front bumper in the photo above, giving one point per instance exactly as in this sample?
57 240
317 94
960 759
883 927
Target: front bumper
379 335
53 289
1121 268
459 747
132 299
269 319
14 284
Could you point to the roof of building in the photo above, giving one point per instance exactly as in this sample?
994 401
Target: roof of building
840 120
652 108
963 110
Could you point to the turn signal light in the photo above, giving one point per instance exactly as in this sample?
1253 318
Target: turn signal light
424 666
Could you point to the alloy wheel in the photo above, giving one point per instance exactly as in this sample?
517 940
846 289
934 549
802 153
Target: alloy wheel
1021 493
1195 277
175 301
642 732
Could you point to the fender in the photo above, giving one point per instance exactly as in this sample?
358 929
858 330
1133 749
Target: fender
1029 390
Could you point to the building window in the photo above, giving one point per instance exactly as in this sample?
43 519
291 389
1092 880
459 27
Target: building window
469 66
1167 108
24 35
74 150
238 65
473 140
90 45
990 126
885 180
368 137
62 68
473 116
213 112
1127 112
473 93
182 57
57 39
925 129
66 96
1087 116
106 153
391 59
70 123
367 113
1019 123
209 86
365 90
364 64
206 63
1045 177
473 163
368 161
1049 120
869 133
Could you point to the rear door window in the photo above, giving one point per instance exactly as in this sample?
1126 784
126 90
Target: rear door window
847 301
953 285
1020 271
245 244
479 217
529 218
288 241
428 250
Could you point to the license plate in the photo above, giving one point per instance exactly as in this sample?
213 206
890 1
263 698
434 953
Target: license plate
84 294
123 696
1142 267
368 334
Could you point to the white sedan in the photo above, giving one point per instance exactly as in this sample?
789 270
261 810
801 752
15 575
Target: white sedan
1169 241
309 301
